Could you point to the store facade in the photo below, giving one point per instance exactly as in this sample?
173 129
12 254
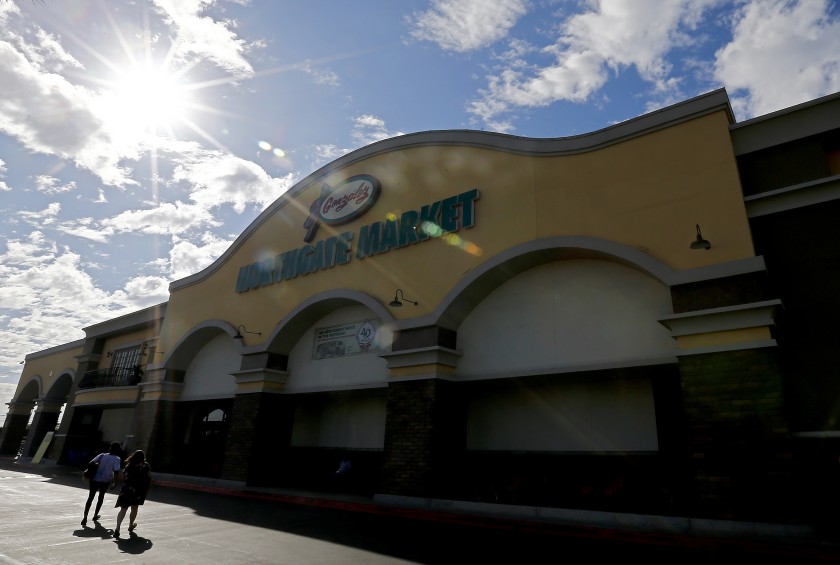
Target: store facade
476 316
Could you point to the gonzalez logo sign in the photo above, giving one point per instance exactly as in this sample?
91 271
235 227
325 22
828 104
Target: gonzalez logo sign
342 204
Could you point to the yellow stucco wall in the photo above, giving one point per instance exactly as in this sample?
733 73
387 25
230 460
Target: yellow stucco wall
48 368
647 192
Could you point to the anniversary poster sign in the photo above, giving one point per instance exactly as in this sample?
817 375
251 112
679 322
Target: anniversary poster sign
346 339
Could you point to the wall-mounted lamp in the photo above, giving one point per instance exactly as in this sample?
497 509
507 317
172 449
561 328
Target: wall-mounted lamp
108 354
700 243
241 329
395 303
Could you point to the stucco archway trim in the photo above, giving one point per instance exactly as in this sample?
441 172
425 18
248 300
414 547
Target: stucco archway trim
189 345
476 285
299 320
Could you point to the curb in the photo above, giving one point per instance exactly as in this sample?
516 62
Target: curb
817 551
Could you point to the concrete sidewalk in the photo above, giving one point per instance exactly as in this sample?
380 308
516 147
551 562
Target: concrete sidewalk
760 538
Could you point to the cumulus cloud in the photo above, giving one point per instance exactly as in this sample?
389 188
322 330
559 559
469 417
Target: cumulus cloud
219 178
147 291
465 25
610 37
48 114
3 186
187 257
44 217
47 296
52 186
165 218
782 53
202 36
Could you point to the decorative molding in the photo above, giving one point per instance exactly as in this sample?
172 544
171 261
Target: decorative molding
756 314
263 380
760 344
435 355
107 396
791 197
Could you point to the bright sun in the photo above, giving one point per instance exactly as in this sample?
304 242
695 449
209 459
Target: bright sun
148 99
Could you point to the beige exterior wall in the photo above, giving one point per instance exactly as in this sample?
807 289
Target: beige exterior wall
47 368
647 193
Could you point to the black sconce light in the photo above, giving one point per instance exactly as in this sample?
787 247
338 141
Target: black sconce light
700 243
395 303
108 354
241 329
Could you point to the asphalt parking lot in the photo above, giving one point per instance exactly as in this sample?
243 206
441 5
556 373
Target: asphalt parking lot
41 508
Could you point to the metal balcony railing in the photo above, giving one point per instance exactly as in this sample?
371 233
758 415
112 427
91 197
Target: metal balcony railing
115 376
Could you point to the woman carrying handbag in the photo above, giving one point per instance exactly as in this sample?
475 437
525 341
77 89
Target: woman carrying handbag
137 477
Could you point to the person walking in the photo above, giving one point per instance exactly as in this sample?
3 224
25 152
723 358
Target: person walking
137 477
108 464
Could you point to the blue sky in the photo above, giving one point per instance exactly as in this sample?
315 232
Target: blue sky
139 138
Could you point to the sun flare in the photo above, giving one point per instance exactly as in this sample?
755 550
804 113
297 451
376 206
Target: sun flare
148 99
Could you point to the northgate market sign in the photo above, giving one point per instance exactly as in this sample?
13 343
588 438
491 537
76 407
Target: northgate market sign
344 203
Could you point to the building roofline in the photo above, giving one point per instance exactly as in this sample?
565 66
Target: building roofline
789 124
704 104
127 322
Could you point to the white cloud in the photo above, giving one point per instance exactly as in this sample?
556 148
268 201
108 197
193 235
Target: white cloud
51 185
166 218
328 152
369 129
782 53
219 178
48 114
45 217
465 25
46 296
200 35
85 228
612 36
319 75
187 258
3 186
147 291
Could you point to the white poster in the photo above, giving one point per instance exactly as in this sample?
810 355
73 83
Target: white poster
347 339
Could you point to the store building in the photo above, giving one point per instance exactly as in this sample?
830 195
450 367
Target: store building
637 319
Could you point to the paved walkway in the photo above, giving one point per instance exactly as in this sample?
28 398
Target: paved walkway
768 539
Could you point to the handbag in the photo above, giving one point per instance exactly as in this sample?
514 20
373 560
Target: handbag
90 472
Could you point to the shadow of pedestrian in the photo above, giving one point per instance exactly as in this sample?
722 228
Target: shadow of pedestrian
133 544
97 531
